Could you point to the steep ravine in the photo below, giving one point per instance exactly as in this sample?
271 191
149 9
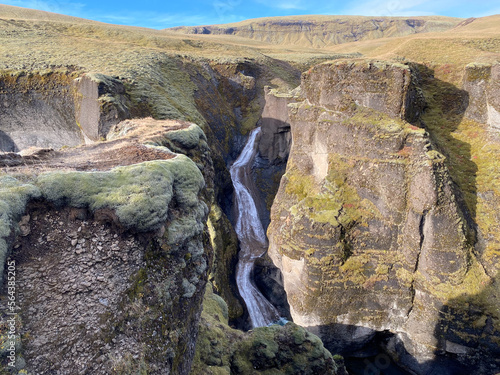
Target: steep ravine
168 265
371 231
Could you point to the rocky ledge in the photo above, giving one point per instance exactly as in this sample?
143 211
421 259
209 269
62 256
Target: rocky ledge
110 261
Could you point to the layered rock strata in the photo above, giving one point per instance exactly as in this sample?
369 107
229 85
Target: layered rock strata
366 227
111 262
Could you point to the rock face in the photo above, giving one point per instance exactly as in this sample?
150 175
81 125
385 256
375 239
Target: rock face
37 111
274 145
101 103
119 257
273 150
320 31
57 109
366 227
482 82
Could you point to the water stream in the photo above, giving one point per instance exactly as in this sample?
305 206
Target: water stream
253 241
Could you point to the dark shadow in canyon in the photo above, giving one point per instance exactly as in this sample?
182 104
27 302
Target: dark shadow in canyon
468 332
6 143
444 111
270 163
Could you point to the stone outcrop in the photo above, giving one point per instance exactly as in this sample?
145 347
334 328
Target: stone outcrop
119 256
273 150
482 82
56 109
101 102
320 31
37 110
275 141
367 228
287 349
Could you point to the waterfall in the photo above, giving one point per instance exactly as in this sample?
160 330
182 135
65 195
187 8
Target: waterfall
253 241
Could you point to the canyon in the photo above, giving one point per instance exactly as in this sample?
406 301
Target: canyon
156 185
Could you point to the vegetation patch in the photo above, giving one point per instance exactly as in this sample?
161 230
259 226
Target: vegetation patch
14 195
140 194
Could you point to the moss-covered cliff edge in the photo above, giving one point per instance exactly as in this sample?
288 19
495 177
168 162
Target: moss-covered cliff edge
119 261
369 228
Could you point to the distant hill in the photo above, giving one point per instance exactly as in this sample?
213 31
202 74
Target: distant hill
321 31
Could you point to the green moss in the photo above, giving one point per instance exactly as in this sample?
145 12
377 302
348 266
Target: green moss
477 71
335 202
139 280
379 121
473 284
355 268
225 245
188 138
382 269
140 194
216 340
298 184
288 349
14 195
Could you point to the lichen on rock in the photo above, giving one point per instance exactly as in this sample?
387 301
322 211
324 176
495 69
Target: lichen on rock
366 226
14 195
287 349
138 203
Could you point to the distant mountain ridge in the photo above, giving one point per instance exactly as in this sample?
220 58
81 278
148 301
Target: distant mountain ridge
321 31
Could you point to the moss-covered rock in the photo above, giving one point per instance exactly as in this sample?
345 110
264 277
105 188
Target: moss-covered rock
367 226
159 266
14 195
287 349
128 191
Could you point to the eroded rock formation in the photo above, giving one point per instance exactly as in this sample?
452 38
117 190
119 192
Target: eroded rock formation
320 31
110 267
367 228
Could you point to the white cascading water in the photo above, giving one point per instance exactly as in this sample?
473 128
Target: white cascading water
253 242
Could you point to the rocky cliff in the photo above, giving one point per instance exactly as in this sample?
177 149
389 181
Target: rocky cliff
385 227
118 249
321 31
370 230
110 268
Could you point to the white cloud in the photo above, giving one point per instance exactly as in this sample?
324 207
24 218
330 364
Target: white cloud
390 8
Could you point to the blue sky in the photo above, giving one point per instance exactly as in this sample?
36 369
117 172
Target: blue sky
160 14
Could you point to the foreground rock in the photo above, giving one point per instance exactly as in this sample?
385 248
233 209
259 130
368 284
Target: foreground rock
111 262
287 349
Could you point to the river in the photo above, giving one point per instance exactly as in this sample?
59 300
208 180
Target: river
253 241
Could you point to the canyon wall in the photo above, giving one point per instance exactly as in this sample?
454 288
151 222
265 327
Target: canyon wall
320 31
123 269
37 110
369 229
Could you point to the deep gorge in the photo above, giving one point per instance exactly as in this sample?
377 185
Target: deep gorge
371 228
